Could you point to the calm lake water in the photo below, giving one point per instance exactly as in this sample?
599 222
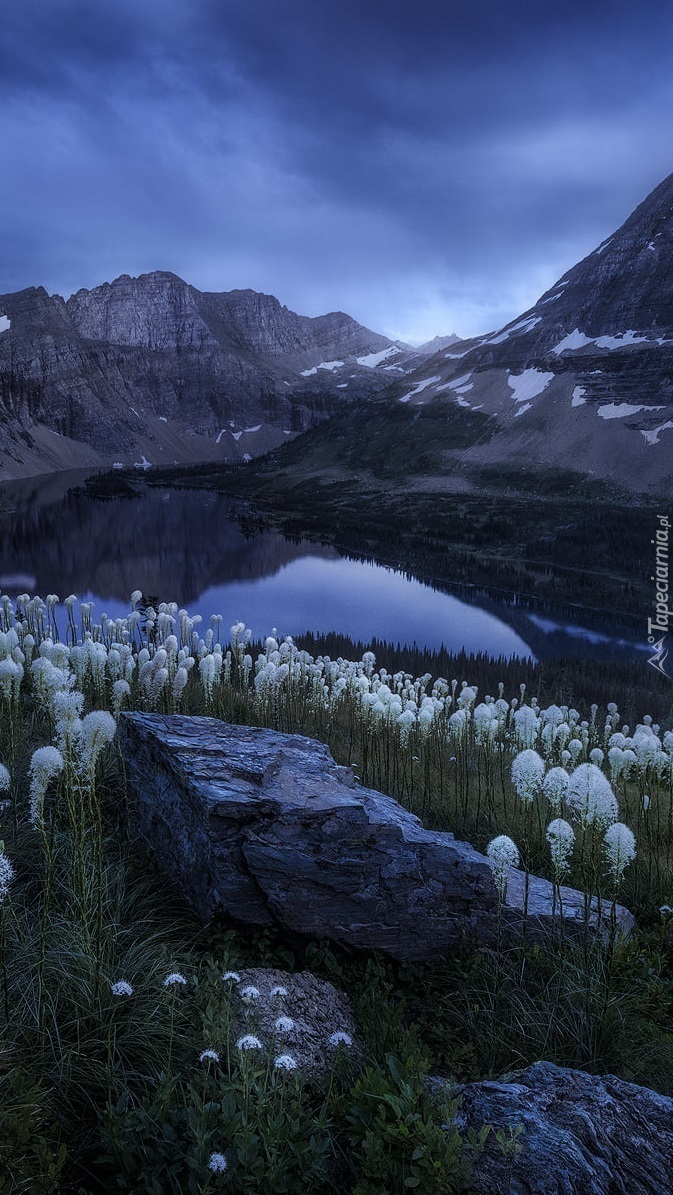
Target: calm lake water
186 546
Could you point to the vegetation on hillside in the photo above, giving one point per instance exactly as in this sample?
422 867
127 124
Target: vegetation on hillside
119 1070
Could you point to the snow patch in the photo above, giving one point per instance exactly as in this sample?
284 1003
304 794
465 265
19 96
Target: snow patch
651 245
526 407
221 434
461 381
619 410
256 428
328 365
420 386
143 464
163 419
118 465
618 341
462 402
5 324
652 437
574 340
578 396
523 325
529 384
374 359
246 456
342 386
455 356
603 247
236 436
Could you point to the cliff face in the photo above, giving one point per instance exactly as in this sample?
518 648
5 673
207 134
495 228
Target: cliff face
152 370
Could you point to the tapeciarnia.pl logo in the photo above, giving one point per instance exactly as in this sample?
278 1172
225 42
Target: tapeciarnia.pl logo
657 627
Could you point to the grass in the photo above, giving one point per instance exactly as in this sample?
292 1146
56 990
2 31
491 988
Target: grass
105 1092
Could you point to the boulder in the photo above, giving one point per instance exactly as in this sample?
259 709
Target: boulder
268 829
580 1134
318 1011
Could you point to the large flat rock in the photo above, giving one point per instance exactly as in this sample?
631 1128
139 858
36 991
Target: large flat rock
268 829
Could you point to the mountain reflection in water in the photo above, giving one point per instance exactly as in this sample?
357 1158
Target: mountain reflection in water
186 546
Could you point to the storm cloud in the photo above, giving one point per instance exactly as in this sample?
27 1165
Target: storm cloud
427 168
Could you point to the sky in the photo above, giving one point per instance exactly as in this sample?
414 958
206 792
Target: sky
428 167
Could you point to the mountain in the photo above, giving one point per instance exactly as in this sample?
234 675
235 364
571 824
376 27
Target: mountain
582 381
151 370
437 344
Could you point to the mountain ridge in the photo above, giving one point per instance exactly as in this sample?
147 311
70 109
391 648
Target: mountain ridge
152 370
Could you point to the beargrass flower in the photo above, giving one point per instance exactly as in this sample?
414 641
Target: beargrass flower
6 876
231 975
502 856
340 1038
209 1056
121 988
285 1062
590 797
561 838
217 1163
249 1042
45 764
174 978
620 849
527 774
98 729
5 779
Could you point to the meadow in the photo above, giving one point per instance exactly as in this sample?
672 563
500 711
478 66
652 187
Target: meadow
119 1063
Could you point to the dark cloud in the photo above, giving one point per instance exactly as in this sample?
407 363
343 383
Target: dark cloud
426 167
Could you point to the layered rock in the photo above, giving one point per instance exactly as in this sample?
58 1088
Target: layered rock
579 1134
266 828
153 370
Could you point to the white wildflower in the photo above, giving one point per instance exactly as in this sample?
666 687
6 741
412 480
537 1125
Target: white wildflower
121 988
217 1163
620 849
590 796
98 729
561 839
249 1042
278 991
554 787
45 764
527 774
5 779
502 855
285 1062
284 1025
209 1056
340 1038
174 978
233 976
249 994
6 876
121 692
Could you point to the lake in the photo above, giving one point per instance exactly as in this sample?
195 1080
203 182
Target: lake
188 546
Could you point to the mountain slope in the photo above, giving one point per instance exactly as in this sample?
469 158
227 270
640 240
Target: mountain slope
151 369
584 379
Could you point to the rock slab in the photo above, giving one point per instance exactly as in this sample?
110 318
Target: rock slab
268 829
581 1134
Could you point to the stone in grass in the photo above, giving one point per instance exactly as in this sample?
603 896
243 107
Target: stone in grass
580 1134
267 828
316 1008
